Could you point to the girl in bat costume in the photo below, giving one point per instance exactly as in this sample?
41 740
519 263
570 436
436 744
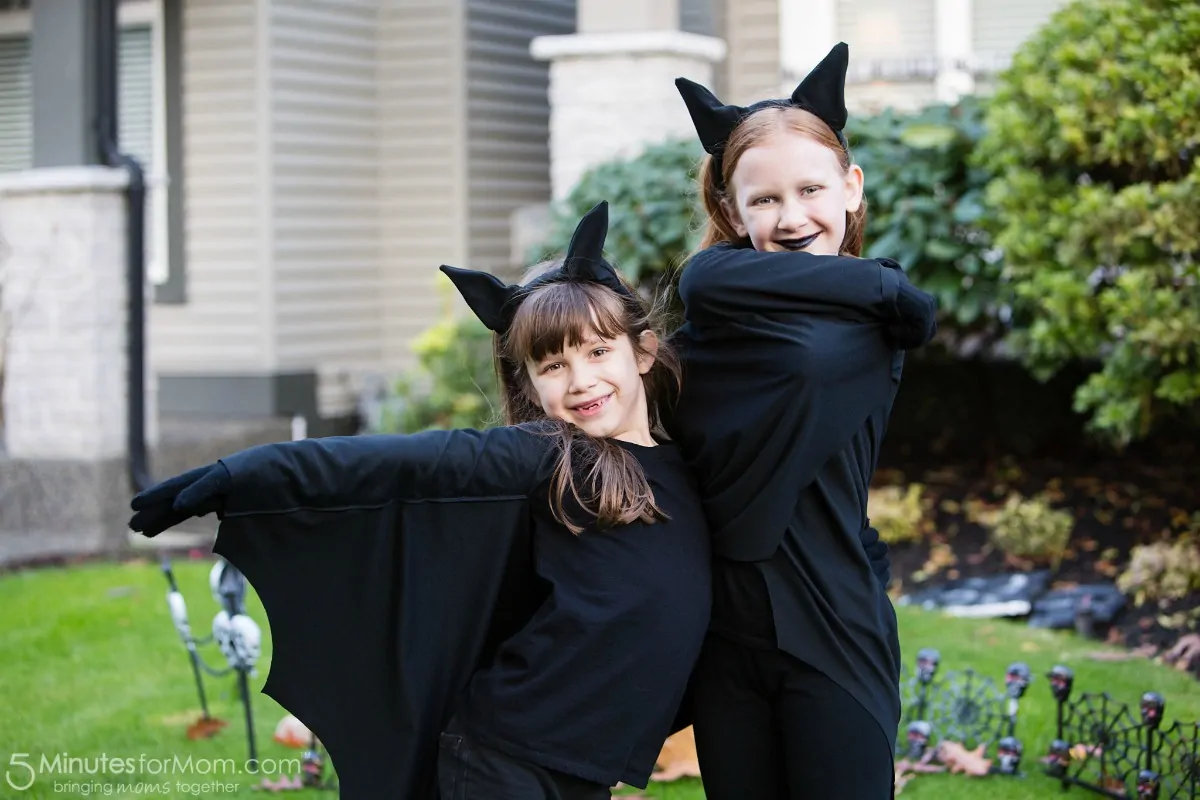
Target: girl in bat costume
792 349
516 610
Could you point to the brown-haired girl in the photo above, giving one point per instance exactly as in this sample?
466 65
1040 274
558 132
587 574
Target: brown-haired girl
792 350
516 610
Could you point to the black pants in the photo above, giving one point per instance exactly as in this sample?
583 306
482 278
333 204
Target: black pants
770 727
469 771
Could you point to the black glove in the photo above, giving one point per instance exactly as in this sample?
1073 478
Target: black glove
877 554
918 313
193 494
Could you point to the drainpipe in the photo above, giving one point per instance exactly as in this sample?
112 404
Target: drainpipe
135 239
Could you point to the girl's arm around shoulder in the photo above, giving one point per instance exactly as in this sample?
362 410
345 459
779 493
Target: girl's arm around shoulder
372 470
726 280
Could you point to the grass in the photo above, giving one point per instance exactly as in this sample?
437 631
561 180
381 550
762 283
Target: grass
92 666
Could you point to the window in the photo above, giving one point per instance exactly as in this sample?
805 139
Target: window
142 118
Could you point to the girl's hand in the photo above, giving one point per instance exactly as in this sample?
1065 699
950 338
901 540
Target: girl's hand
194 493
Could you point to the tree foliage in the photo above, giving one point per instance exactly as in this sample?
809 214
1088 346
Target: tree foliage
1093 134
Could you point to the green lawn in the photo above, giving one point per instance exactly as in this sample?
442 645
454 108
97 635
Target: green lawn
92 666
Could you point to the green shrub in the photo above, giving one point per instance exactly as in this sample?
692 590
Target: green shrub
1029 528
1093 135
654 211
924 203
1162 571
898 513
453 384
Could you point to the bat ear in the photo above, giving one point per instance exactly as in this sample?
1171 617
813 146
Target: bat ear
585 255
587 242
823 91
485 294
713 120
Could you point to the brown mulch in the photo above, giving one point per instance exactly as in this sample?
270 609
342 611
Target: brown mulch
1118 502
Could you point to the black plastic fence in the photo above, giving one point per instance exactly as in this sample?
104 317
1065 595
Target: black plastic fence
1100 744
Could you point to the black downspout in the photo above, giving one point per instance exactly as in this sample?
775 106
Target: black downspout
107 53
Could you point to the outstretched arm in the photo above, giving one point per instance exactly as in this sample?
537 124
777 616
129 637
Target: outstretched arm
344 472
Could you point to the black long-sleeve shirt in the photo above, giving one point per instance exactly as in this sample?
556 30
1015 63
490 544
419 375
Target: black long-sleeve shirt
791 364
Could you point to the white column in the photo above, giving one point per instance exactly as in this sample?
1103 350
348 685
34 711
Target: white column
808 30
954 49
65 301
612 85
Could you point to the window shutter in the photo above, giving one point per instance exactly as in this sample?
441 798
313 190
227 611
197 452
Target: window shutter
16 105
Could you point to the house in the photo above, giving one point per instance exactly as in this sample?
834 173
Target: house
313 161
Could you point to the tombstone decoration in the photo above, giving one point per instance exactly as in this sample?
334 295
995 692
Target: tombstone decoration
237 636
1102 746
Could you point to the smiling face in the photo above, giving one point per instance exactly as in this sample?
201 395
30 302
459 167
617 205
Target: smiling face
789 192
573 354
596 384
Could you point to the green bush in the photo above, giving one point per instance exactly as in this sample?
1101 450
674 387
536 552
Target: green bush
1162 571
899 514
453 384
1093 134
924 204
1029 528
654 210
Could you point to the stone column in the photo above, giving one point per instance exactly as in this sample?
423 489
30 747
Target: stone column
612 84
954 50
64 486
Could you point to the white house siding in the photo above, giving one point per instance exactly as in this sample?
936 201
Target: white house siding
752 69
225 326
998 27
423 163
325 188
507 118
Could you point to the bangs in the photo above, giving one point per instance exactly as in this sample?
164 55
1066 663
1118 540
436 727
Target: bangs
563 314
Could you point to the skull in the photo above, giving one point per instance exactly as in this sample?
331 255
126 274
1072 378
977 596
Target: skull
1017 679
918 734
246 640
927 664
223 635
1008 754
1058 758
1147 785
311 767
1152 709
1061 680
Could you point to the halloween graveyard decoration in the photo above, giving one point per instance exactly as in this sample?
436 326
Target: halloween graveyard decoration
1103 746
237 636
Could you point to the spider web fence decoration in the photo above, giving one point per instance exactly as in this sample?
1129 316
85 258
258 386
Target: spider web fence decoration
962 706
1102 745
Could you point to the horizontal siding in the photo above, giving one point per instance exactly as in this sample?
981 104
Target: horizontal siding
752 64
224 324
998 27
421 163
325 185
701 16
887 33
508 118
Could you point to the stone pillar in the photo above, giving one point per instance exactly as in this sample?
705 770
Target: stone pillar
64 485
612 85
954 50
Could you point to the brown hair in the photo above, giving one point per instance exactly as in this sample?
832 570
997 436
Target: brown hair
750 132
615 490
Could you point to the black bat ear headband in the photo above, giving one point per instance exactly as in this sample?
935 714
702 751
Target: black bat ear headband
496 303
822 92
